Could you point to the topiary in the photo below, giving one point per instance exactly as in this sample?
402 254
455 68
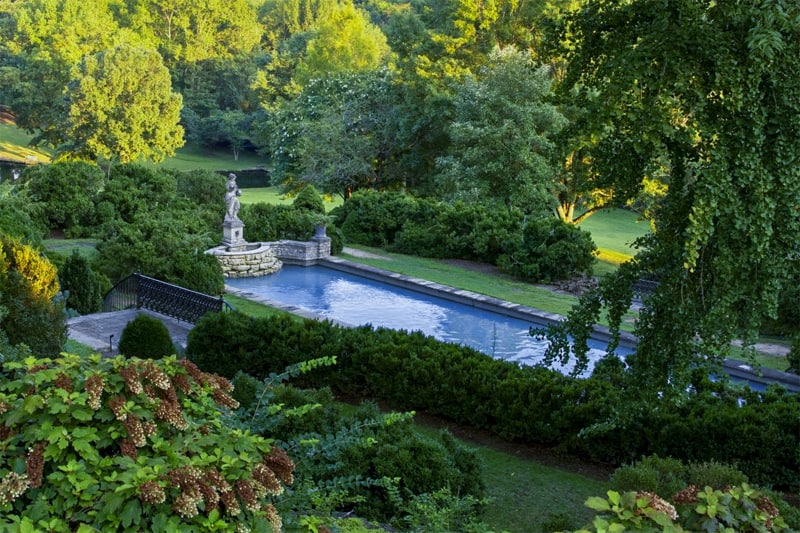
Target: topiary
308 199
116 444
146 337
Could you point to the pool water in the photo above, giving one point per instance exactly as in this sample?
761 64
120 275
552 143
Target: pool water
356 300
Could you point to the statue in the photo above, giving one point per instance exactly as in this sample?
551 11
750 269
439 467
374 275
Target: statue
232 194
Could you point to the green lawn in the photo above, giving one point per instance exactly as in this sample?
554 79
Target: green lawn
14 145
273 195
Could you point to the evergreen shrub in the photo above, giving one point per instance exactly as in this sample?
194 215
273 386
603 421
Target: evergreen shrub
146 337
550 250
83 283
753 431
308 199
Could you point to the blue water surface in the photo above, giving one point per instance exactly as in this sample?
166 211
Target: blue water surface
357 300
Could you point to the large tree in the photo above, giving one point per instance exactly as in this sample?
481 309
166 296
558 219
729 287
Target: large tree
43 40
335 135
706 92
122 108
501 134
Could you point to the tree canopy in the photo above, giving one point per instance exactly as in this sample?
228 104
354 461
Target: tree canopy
122 108
702 92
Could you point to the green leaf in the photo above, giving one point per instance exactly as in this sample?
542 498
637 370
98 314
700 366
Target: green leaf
82 414
598 504
131 513
32 403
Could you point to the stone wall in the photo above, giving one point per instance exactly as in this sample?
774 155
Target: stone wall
249 262
302 253
260 259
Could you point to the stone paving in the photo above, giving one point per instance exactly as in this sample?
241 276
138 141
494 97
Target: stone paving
96 330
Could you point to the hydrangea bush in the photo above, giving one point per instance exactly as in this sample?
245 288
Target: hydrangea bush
117 444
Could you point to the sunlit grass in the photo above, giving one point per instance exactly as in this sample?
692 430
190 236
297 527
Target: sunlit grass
273 195
14 146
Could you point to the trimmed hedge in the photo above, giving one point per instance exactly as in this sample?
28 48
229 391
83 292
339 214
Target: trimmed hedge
534 249
146 337
755 432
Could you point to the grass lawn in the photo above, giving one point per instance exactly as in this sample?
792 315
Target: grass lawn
14 145
273 195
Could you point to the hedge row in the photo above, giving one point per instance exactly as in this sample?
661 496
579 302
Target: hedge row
756 432
536 249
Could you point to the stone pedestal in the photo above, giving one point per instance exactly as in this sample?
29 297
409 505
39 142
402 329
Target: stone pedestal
233 233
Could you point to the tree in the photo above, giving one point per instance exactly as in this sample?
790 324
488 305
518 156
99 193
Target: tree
186 32
83 285
702 89
501 134
335 134
66 190
44 40
122 108
343 40
28 312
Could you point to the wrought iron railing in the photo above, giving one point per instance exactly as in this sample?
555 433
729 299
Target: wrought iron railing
138 291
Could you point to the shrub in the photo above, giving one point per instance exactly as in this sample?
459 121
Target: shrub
754 431
20 219
67 190
550 250
29 313
309 200
373 218
84 286
662 476
130 445
388 462
739 508
146 337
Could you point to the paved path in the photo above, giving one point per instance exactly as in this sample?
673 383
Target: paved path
96 330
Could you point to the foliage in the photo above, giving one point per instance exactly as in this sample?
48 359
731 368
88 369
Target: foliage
121 108
67 192
146 337
373 218
459 230
502 134
550 250
755 432
334 134
19 218
388 463
793 357
725 231
343 39
667 476
443 511
82 283
309 199
129 445
29 313
738 508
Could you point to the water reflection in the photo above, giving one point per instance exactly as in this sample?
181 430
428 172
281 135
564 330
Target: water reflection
356 300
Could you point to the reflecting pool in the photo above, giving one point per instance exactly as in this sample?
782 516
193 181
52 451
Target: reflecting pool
356 300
